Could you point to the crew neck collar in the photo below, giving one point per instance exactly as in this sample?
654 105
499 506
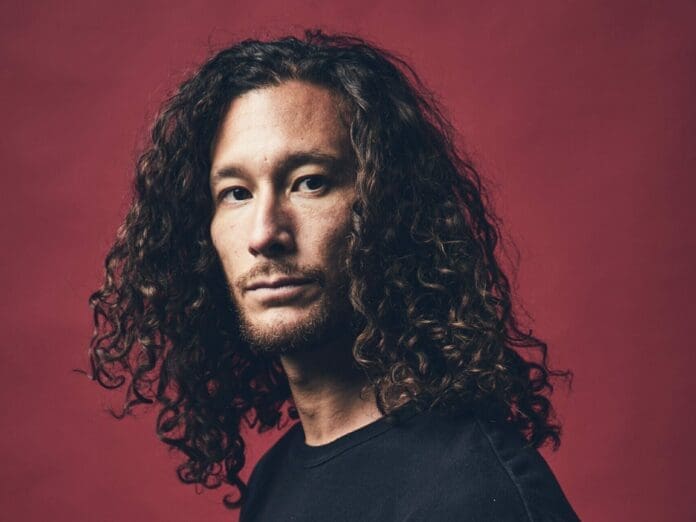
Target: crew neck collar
311 456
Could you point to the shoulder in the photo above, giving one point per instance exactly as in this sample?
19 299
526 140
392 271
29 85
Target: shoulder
273 457
488 469
529 474
267 464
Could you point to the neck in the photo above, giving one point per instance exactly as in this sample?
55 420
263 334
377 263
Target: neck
326 389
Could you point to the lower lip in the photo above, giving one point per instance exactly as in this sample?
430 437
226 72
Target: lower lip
279 294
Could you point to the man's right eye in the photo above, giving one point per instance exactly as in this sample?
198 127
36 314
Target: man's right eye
234 194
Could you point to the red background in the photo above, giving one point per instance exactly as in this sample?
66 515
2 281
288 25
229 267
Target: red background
581 113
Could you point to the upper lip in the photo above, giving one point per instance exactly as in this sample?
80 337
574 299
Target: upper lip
276 282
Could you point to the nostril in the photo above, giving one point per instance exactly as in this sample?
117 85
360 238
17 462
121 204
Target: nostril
276 249
275 245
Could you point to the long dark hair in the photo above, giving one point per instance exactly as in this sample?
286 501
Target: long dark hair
437 323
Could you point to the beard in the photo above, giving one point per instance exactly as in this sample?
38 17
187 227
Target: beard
326 324
331 318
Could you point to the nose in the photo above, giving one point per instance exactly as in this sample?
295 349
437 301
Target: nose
271 230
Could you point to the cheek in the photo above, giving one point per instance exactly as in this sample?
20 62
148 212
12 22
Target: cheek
216 236
334 242
222 236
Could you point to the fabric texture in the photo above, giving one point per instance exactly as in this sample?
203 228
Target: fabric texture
424 467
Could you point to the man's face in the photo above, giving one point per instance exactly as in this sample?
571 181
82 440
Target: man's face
283 185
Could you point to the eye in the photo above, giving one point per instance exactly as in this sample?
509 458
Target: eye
234 194
311 184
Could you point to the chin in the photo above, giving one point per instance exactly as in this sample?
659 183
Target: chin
285 332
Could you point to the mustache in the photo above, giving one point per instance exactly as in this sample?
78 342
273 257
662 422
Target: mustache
285 268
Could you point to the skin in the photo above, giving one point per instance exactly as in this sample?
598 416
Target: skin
283 184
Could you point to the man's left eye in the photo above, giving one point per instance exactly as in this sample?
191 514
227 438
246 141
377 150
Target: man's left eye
311 184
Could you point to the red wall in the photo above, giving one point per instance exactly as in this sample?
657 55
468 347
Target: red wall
582 114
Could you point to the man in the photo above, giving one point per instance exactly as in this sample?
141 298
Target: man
304 231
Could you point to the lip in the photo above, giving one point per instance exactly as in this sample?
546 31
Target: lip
278 283
281 292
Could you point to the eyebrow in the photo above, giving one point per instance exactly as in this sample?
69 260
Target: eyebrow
286 165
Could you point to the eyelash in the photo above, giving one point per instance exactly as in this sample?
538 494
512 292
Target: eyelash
223 194
323 179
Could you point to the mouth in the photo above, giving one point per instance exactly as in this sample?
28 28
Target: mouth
281 291
278 283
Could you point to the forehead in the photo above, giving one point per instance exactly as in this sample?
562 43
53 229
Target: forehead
265 125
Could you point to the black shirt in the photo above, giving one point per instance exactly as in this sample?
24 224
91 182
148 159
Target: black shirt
424 468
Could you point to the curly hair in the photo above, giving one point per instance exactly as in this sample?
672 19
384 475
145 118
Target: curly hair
437 327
